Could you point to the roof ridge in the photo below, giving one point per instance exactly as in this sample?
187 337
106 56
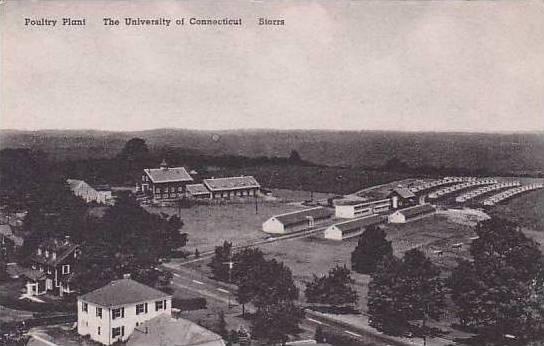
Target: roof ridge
357 219
298 211
244 176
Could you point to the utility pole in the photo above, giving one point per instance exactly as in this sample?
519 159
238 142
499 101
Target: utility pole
230 263
256 204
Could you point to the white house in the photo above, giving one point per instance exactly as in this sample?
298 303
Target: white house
98 194
353 228
111 313
297 220
411 214
354 208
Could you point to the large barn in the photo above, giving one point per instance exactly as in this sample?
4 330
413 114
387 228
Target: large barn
411 214
164 182
244 186
297 220
355 208
353 228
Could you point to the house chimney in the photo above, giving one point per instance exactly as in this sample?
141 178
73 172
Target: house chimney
126 276
164 165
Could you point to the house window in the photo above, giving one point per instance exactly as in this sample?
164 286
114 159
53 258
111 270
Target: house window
65 269
159 305
158 190
115 332
117 313
180 189
99 312
98 330
141 309
85 307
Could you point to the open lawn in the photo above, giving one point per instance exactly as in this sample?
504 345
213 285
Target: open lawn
208 226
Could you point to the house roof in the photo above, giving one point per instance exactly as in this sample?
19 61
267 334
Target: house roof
33 274
168 174
76 184
61 248
165 330
197 189
122 292
417 210
231 183
403 192
350 225
302 215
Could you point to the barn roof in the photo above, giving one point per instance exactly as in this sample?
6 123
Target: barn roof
350 225
197 189
417 210
122 292
168 174
231 183
403 192
302 215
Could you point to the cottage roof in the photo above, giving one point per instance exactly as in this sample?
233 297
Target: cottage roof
302 215
61 248
33 274
350 225
197 189
122 292
75 184
168 174
403 192
417 210
231 183
165 330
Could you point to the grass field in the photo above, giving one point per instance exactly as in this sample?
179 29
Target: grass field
210 225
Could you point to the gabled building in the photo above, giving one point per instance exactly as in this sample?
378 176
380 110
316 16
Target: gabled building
51 268
198 191
357 208
113 312
297 220
232 187
402 197
411 214
353 228
100 194
165 182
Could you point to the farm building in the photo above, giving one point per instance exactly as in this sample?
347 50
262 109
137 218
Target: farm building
244 186
411 214
164 182
353 209
198 191
353 228
99 194
297 220
402 197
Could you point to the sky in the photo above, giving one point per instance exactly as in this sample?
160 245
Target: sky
346 65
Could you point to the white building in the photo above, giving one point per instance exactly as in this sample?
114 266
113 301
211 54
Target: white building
297 220
411 214
353 209
98 194
353 228
110 314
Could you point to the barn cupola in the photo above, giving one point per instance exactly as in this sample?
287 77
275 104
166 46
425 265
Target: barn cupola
164 164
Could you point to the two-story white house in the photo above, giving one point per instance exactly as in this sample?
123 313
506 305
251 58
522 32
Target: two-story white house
111 313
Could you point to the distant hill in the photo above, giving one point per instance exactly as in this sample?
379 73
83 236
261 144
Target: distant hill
521 153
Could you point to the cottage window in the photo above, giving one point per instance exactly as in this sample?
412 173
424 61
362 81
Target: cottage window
159 305
117 313
98 330
85 307
172 189
99 312
65 269
141 308
180 189
115 332
158 190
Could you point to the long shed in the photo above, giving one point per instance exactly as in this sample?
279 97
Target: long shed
353 228
297 220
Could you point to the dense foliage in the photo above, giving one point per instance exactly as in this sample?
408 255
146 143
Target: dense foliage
371 249
334 288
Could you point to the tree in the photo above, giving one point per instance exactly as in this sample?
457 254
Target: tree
295 156
219 262
500 291
319 337
405 291
371 249
334 289
273 323
134 150
247 263
222 325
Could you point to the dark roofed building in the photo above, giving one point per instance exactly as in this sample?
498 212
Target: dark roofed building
353 228
244 186
412 213
197 191
402 197
164 182
297 220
